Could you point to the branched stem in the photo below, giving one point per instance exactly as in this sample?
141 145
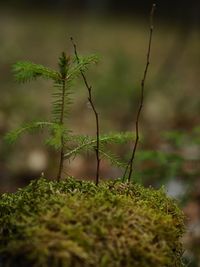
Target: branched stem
130 163
61 123
90 99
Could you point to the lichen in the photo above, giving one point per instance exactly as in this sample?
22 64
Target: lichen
76 224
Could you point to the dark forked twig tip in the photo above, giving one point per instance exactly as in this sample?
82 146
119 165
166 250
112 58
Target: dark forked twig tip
72 41
75 52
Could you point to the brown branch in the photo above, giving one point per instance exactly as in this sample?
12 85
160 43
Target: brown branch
61 161
130 163
90 99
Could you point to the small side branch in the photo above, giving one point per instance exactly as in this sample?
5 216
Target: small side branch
90 99
131 161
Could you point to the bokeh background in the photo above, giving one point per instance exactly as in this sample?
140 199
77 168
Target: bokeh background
169 152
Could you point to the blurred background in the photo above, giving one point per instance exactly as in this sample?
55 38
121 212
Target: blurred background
169 152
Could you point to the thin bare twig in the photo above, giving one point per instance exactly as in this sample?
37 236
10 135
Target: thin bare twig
130 163
90 99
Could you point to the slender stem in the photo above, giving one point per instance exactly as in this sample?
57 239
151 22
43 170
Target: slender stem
61 163
90 99
130 163
61 123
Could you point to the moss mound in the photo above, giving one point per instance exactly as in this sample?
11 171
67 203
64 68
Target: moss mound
74 223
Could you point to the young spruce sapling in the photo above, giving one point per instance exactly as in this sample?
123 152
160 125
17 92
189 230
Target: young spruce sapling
60 136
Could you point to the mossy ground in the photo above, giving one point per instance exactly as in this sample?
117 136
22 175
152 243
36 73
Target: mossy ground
74 223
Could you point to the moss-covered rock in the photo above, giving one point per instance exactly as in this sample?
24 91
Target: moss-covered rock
74 223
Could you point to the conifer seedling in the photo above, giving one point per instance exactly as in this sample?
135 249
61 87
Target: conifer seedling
60 135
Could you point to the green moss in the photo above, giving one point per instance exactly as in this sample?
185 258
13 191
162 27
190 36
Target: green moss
74 223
